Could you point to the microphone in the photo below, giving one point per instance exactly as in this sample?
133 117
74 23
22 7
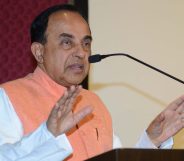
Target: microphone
97 58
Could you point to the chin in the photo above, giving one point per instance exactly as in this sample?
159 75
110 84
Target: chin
76 82
77 79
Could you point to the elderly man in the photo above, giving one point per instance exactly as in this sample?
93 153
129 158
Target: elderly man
47 116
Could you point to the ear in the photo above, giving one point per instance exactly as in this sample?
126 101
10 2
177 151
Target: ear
37 50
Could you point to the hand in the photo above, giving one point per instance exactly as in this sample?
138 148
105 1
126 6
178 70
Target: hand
61 118
167 123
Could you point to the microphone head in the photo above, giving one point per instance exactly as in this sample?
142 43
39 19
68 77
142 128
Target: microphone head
94 58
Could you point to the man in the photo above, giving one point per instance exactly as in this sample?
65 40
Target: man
47 116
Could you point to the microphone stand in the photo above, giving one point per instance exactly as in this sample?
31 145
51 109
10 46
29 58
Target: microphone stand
99 57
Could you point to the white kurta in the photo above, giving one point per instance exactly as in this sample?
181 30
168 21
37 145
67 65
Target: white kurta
41 145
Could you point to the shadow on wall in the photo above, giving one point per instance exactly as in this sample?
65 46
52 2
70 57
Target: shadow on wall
99 86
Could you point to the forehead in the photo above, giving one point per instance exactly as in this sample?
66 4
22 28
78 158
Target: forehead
67 22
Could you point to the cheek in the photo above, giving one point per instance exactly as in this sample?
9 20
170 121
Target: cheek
63 61
87 67
87 63
60 64
60 57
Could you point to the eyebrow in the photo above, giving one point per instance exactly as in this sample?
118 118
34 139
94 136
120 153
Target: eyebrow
71 36
88 37
66 35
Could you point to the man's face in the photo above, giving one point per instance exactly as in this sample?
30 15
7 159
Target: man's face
68 46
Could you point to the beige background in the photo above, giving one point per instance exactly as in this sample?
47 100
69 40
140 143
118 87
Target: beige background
150 30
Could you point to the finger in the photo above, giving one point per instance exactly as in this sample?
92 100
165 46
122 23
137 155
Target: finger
179 122
175 104
54 111
160 117
82 114
67 100
61 103
63 98
182 117
74 90
157 120
69 105
180 109
70 101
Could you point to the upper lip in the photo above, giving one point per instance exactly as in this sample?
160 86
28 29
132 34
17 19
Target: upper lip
79 65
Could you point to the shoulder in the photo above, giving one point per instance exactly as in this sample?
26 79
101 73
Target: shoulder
17 83
10 83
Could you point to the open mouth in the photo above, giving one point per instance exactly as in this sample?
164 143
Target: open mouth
76 67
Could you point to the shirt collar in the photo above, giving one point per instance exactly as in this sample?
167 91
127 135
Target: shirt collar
41 77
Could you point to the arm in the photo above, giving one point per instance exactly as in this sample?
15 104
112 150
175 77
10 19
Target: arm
159 133
116 142
48 142
145 142
12 147
167 123
39 145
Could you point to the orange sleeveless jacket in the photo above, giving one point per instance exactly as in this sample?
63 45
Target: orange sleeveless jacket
33 98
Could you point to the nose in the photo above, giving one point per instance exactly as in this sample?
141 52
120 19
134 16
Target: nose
80 52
